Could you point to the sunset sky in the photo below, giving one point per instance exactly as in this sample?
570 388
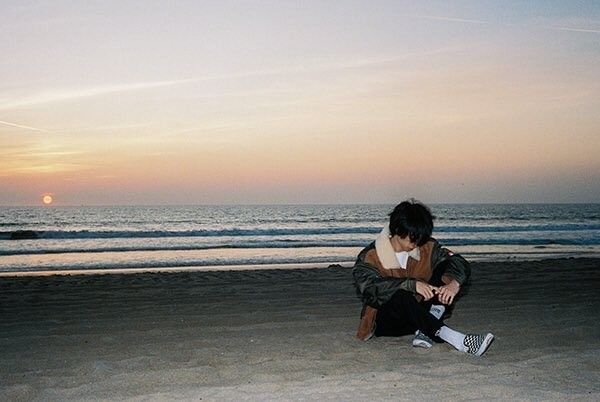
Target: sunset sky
210 102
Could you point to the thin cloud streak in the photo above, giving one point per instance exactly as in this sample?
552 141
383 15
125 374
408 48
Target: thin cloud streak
440 18
43 168
481 22
114 127
48 154
574 29
6 123
68 95
60 96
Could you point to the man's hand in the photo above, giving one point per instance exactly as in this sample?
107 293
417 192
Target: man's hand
447 292
426 290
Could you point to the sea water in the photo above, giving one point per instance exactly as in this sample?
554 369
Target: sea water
247 237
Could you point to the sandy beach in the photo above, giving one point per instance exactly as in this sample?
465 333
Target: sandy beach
289 335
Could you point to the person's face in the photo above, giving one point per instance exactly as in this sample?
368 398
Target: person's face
402 243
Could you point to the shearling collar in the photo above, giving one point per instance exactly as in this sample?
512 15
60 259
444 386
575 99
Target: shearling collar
386 252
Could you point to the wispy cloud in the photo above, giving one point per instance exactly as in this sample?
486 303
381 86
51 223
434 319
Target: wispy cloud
42 168
32 157
113 127
452 19
482 22
65 95
574 29
7 123
583 24
72 95
61 95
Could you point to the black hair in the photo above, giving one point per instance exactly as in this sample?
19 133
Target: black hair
413 219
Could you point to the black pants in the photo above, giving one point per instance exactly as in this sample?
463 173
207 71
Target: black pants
403 314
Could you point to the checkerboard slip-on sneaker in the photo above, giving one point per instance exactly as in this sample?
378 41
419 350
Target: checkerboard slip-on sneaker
421 340
477 344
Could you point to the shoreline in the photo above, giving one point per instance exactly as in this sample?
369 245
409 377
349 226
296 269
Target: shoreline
482 258
207 268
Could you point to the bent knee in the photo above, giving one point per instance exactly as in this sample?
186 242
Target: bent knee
405 296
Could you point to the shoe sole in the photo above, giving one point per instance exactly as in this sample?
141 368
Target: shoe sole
485 345
421 344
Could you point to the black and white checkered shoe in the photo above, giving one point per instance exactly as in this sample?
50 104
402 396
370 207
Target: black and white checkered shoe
477 344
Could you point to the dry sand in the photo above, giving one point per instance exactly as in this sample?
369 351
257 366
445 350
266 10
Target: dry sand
289 335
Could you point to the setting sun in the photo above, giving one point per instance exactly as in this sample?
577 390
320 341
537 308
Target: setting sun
47 199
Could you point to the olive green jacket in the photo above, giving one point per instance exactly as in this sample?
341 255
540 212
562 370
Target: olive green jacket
375 289
378 275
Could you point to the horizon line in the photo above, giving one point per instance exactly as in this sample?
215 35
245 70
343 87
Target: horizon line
293 204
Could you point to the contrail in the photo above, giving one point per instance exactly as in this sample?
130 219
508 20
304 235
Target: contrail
433 17
23 126
575 29
468 21
89 92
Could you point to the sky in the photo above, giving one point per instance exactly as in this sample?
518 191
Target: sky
266 102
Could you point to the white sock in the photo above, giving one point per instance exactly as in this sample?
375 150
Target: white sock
453 337
437 310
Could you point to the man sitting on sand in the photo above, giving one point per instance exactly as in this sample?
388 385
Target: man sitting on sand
405 280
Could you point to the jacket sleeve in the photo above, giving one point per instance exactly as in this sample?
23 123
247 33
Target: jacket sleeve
375 290
455 265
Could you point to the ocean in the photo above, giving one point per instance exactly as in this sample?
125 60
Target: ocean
57 239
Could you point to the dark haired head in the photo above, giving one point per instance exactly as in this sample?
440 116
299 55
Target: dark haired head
413 219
